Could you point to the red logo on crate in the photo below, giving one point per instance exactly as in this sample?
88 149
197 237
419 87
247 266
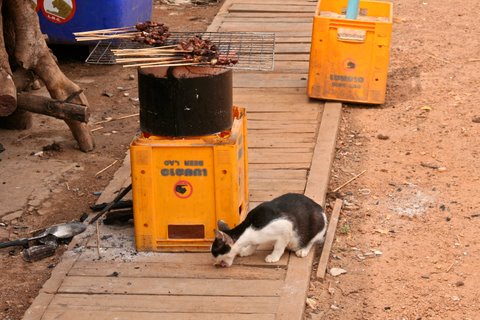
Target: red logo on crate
183 189
58 11
349 64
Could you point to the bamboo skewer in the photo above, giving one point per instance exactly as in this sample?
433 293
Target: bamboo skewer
101 31
156 63
152 53
158 59
145 49
106 37
172 65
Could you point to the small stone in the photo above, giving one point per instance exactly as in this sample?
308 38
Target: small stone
455 298
107 94
459 283
335 272
334 307
476 119
12 216
43 212
126 94
382 137
134 99
131 77
378 252
442 169
425 276
312 303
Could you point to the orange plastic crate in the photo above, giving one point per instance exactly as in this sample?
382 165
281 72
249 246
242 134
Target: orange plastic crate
182 187
349 58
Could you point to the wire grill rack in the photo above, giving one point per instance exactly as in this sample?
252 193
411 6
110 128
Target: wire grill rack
255 50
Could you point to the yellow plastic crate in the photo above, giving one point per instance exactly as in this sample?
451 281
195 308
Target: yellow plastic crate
181 187
349 58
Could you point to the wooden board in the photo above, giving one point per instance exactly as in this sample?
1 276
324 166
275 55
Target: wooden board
270 157
249 14
176 270
292 57
164 304
263 20
282 116
171 286
279 2
279 144
188 259
293 39
327 246
285 28
277 184
275 174
292 48
148 315
270 80
267 195
257 7
324 151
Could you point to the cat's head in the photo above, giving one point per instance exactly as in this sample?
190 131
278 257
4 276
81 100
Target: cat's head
222 248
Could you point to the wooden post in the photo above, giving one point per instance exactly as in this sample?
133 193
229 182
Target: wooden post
51 107
327 245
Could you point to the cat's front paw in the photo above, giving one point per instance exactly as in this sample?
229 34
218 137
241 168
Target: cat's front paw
247 251
302 253
272 258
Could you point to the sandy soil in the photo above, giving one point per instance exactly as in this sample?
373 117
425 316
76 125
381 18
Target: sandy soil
407 234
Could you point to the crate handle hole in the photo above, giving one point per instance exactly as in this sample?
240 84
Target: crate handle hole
142 171
224 171
145 225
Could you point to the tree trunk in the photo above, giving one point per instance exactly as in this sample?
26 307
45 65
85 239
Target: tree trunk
31 52
8 93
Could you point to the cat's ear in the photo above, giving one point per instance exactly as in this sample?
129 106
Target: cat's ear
222 225
224 237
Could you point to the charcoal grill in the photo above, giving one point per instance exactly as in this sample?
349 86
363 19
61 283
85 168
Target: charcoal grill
254 50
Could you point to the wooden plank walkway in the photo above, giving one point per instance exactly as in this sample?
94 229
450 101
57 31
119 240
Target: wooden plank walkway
291 146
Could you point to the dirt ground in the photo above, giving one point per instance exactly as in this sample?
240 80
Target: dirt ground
407 234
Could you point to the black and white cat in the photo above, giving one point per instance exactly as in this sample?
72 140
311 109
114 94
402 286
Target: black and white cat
291 221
